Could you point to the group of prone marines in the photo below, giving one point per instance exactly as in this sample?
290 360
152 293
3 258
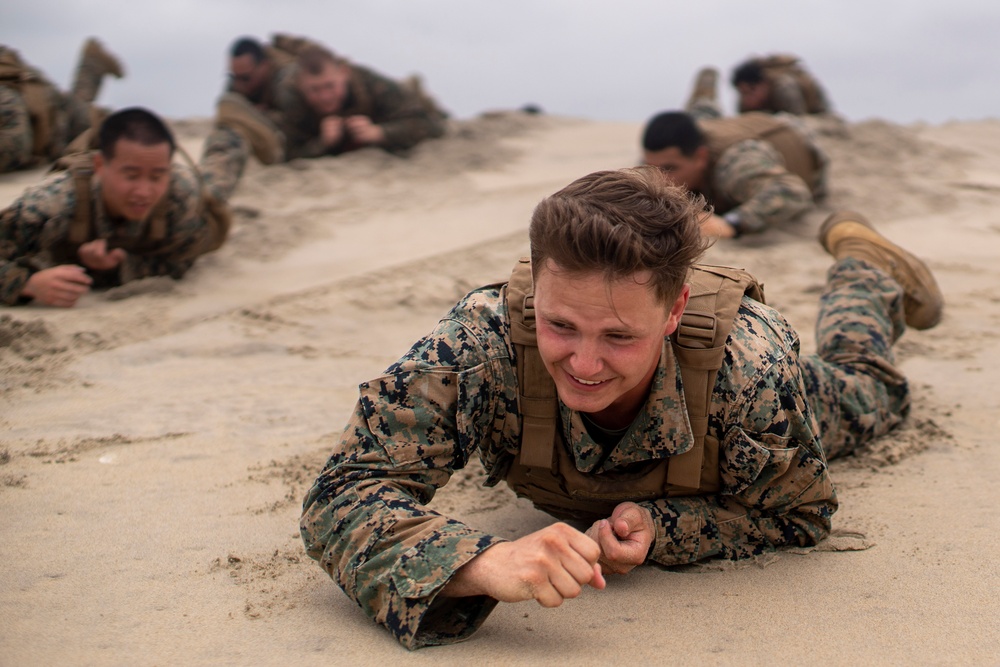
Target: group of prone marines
655 406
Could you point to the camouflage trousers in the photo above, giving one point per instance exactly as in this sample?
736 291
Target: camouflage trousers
222 162
71 116
854 389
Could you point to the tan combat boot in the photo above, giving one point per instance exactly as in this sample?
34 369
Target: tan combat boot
266 141
848 234
705 85
95 62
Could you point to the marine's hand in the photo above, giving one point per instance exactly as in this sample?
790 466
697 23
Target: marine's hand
364 131
95 255
59 286
549 565
624 538
331 130
716 226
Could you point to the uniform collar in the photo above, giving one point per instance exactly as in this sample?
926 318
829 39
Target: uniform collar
661 428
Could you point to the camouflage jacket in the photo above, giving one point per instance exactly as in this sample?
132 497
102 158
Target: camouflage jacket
454 396
750 178
35 228
786 95
34 122
405 117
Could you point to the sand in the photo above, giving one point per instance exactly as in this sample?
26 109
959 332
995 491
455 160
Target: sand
158 439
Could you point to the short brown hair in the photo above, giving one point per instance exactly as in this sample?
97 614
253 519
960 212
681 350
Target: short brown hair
313 58
620 223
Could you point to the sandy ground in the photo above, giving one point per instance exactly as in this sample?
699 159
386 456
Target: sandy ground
158 439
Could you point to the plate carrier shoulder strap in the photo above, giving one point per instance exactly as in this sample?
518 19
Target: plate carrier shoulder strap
699 345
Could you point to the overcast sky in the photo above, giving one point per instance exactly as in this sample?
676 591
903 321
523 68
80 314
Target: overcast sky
609 60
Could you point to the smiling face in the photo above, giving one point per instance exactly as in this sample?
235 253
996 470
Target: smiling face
134 179
601 341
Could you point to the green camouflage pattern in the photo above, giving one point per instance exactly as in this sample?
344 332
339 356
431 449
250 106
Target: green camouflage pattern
405 116
38 222
856 390
750 178
16 138
454 395
786 96
69 116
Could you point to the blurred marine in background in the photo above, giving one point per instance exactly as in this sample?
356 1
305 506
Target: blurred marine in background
315 103
37 120
778 83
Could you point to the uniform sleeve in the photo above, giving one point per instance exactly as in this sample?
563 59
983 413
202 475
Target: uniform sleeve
775 485
293 118
366 519
37 215
404 117
752 174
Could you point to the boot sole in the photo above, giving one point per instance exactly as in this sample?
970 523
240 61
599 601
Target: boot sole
920 313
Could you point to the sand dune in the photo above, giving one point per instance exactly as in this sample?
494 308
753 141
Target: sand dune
158 439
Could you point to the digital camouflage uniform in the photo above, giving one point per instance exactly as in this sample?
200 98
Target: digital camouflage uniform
34 229
454 395
406 116
750 179
38 132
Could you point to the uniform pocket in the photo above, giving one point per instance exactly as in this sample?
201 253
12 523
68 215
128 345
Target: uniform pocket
766 471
